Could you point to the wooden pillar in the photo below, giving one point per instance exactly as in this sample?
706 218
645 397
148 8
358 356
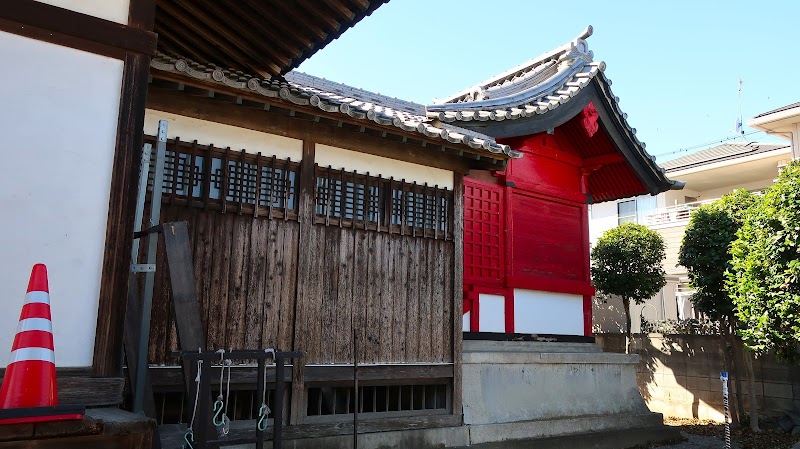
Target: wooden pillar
122 201
458 287
305 217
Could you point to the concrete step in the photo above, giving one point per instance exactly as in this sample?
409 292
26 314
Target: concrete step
528 346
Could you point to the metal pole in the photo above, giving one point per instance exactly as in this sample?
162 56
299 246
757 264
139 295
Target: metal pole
724 378
277 435
355 389
150 275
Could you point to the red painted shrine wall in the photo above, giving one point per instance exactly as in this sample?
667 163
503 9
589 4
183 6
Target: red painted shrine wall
527 227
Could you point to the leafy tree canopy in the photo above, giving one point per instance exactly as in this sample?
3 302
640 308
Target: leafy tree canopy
626 261
705 250
764 279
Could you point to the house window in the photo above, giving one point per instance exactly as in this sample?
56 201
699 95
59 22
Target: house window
626 211
386 205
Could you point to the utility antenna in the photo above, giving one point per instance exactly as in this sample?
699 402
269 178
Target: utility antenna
739 128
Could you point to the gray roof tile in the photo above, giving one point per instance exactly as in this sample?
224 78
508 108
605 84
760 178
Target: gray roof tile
303 89
718 153
782 108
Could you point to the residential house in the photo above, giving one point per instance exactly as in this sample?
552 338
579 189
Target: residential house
783 122
708 175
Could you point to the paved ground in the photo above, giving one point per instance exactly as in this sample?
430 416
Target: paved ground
698 442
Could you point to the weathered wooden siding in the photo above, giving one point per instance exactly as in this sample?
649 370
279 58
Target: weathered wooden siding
396 290
245 271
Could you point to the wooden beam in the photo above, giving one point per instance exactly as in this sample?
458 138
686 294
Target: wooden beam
142 14
458 289
287 10
65 24
605 159
107 360
168 378
225 37
77 387
338 7
269 122
305 216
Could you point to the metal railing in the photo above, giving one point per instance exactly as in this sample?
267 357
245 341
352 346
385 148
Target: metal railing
674 214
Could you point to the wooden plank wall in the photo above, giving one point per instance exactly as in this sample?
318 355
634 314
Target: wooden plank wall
245 271
396 290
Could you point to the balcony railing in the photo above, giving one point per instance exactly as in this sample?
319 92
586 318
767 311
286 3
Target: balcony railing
674 214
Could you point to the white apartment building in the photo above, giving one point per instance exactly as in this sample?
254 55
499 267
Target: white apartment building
708 174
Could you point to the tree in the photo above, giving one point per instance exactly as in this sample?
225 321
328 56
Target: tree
764 279
705 252
626 262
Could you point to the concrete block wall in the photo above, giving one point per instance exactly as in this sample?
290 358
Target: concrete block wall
678 375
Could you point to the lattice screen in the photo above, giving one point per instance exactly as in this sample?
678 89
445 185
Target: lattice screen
237 181
372 202
483 233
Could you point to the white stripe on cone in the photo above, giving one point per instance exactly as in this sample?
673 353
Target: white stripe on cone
35 324
40 297
32 354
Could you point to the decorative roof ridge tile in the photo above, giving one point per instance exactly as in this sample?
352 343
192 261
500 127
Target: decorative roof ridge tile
554 77
369 107
519 70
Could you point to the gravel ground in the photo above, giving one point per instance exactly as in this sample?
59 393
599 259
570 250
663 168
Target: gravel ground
709 435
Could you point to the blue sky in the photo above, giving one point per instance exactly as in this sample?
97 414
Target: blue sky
674 64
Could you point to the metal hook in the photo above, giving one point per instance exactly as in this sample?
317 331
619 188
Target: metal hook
188 437
263 414
218 411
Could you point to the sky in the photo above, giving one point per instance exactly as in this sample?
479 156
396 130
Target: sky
675 65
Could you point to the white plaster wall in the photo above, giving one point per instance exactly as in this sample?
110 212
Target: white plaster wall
339 158
58 120
206 132
717 193
113 10
465 322
492 313
539 312
602 217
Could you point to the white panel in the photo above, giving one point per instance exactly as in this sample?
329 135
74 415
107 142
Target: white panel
205 132
538 312
339 158
58 120
491 313
603 217
113 10
465 323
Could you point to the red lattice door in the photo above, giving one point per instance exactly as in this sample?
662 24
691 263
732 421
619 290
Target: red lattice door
484 242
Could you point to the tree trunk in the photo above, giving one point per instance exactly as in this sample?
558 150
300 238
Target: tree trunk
626 302
730 366
751 390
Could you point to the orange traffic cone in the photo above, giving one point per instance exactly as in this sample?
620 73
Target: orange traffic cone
30 377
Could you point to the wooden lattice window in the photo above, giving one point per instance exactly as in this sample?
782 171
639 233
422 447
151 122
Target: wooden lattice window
483 233
385 205
378 400
230 181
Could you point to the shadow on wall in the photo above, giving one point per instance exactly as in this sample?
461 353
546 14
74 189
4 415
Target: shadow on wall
678 375
608 316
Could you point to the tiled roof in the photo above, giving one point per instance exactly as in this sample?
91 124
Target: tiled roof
782 108
304 90
719 153
535 87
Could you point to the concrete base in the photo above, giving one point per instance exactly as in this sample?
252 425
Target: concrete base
531 390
